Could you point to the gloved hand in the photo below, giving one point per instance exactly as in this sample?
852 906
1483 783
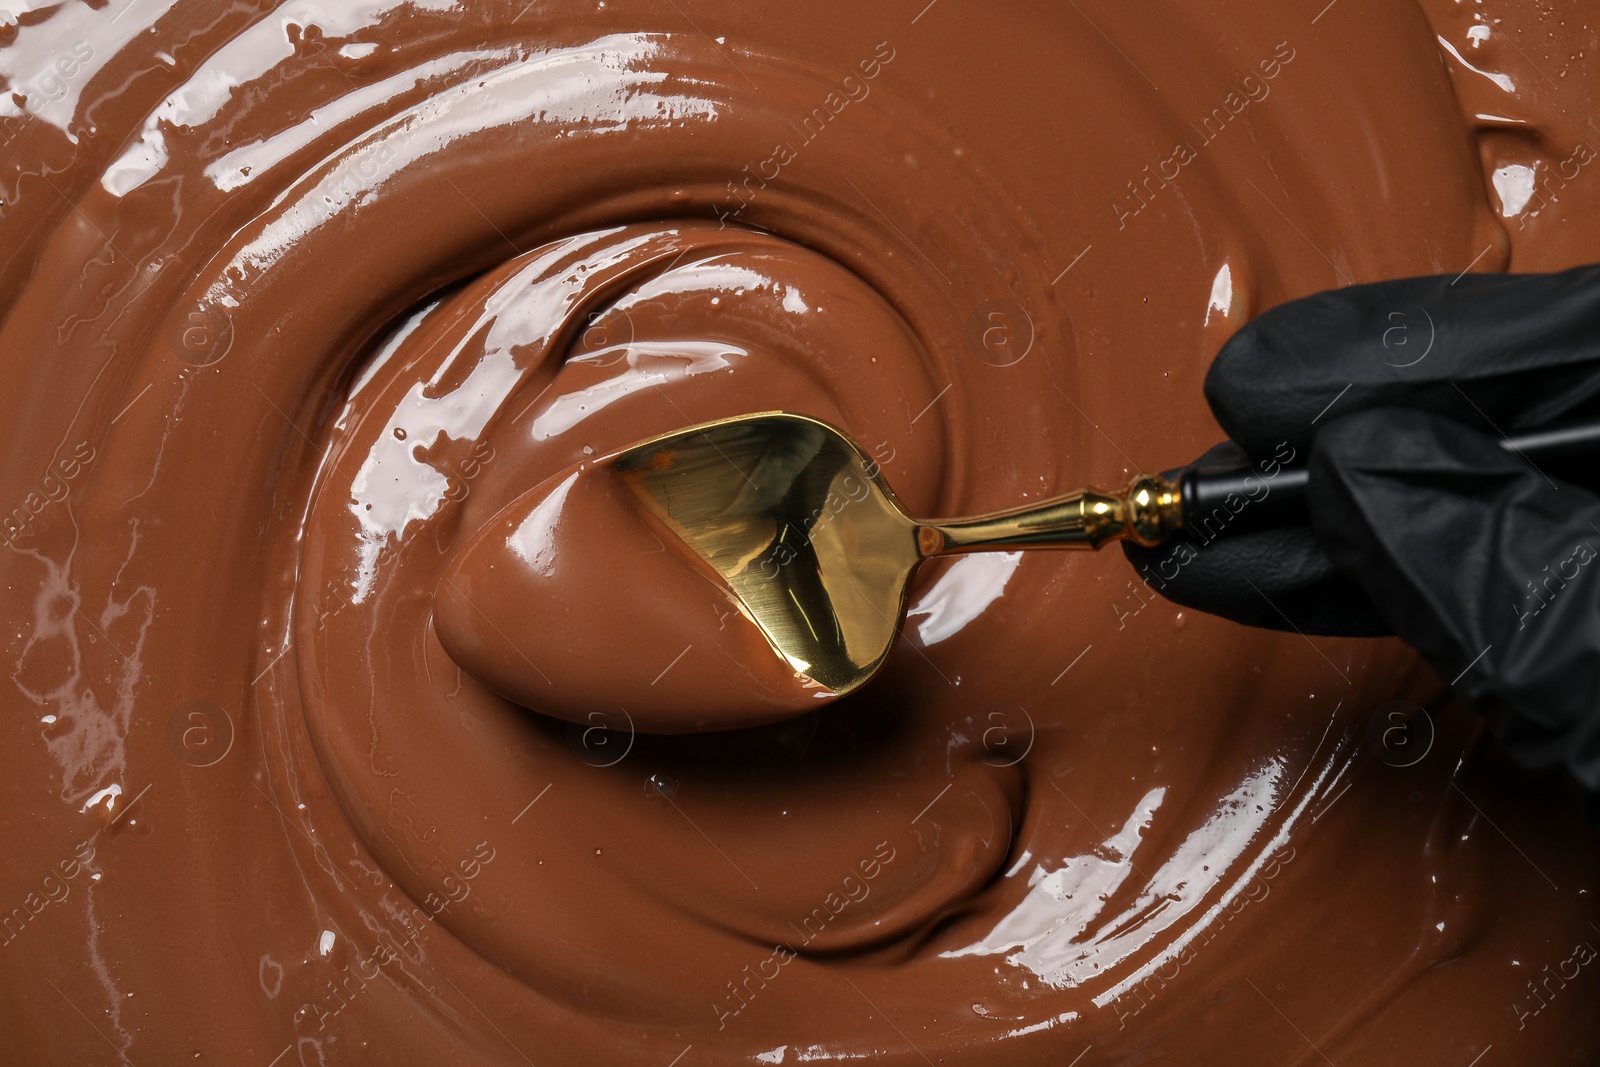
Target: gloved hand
1421 525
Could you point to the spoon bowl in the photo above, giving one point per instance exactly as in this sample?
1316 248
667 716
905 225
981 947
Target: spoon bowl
796 519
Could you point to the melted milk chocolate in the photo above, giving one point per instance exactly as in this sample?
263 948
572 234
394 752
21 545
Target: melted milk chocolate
506 613
309 309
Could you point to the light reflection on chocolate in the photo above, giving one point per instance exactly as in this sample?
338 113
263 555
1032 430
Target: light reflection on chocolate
301 305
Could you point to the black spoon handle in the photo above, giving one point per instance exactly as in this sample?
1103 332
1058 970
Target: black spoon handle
1230 500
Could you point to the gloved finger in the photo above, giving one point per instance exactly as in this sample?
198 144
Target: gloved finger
1487 567
1277 579
1512 351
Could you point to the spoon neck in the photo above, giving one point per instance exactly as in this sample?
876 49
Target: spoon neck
1146 512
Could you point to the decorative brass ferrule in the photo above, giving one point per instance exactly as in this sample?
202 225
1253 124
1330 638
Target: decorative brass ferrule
1154 510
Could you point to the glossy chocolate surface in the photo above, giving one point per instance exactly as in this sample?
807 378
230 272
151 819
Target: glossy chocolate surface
308 311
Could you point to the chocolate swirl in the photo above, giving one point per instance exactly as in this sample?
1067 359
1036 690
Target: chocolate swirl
357 718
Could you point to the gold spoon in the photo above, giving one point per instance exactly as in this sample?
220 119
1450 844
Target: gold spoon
799 523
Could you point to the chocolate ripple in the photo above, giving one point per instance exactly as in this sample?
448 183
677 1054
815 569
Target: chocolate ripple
309 313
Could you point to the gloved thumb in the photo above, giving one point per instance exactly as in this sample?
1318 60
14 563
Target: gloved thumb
1482 563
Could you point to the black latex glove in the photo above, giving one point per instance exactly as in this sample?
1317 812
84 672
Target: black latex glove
1421 524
